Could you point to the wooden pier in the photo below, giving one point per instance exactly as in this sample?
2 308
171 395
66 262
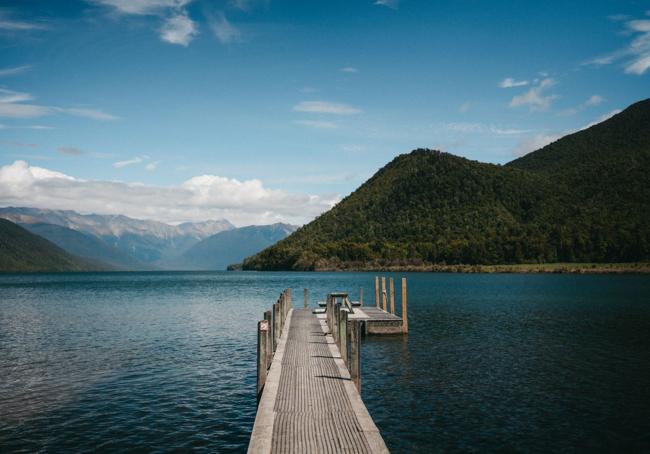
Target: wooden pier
309 377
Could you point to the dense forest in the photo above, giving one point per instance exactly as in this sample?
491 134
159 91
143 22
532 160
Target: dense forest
22 251
583 198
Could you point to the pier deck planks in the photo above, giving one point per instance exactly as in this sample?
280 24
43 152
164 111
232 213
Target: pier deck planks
310 405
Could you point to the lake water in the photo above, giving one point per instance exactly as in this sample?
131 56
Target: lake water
154 362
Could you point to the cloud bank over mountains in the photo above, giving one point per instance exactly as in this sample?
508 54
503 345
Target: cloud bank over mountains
199 198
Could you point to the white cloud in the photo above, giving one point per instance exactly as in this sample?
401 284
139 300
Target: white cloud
317 124
15 70
349 69
12 104
142 6
152 166
636 56
393 4
326 107
535 98
179 29
594 100
509 82
353 148
128 162
538 141
199 198
225 32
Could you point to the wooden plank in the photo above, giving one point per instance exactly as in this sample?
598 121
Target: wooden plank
315 406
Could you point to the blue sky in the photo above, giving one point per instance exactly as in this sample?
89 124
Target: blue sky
265 110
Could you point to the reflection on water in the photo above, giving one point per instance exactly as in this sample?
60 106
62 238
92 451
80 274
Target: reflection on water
163 361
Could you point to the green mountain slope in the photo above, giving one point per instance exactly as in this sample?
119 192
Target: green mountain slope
86 246
584 198
23 251
231 246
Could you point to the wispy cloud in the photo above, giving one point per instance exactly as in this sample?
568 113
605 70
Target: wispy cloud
509 82
393 4
225 31
7 23
14 143
198 198
13 105
152 166
593 100
178 29
142 6
36 127
317 124
15 70
326 108
70 151
481 128
349 69
94 114
535 97
636 55
128 162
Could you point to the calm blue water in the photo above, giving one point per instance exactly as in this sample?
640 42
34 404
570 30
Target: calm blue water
154 362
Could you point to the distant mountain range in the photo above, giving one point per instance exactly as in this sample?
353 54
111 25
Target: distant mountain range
583 198
23 251
123 243
231 246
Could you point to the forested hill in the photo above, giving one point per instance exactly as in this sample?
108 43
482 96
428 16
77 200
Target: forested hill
584 198
21 250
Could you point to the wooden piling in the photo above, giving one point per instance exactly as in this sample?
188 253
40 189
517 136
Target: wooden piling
262 337
405 317
336 316
276 325
383 293
268 316
305 298
343 337
361 296
355 345
377 291
392 295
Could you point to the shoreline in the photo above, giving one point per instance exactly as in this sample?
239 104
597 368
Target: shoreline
525 268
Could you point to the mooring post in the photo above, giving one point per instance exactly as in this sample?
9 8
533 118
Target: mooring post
377 291
336 321
305 298
355 344
343 337
361 296
281 314
405 316
383 293
328 313
392 295
262 336
276 325
289 299
268 316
